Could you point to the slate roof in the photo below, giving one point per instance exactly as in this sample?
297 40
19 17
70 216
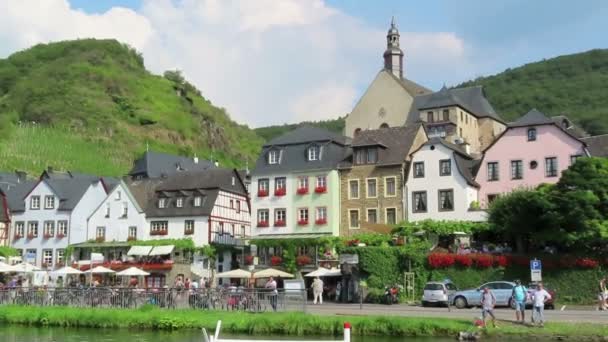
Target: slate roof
394 144
156 164
566 124
470 98
532 118
293 147
188 185
108 182
15 187
143 189
597 145
70 191
413 88
465 163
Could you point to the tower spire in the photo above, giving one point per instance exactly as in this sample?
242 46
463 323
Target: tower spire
393 56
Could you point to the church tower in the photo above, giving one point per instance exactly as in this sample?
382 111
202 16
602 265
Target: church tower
393 56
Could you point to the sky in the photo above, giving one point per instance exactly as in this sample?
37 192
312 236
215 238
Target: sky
284 61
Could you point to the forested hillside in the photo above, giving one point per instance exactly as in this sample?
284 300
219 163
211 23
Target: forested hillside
91 106
575 85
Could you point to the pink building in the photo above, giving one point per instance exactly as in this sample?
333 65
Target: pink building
531 151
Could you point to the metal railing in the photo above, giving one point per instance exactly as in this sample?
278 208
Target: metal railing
237 299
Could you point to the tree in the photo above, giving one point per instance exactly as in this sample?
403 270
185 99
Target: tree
525 217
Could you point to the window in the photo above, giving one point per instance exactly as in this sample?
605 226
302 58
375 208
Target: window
321 182
179 202
19 229
353 216
418 169
280 217
273 157
574 157
353 189
517 169
419 201
446 200
263 185
460 131
133 232
49 202
460 116
303 215
280 183
371 188
49 229
188 227
62 228
100 233
551 167
445 167
390 186
446 115
263 216
366 155
47 257
161 203
159 227
391 216
35 202
238 206
197 201
321 215
372 215
466 119
492 198
107 209
125 209
531 134
303 183
313 153
118 195
32 229
429 117
59 256
231 204
492 171
30 255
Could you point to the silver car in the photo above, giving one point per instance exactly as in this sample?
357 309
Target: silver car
438 293
502 291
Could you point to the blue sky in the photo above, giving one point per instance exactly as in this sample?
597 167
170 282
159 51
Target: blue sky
277 61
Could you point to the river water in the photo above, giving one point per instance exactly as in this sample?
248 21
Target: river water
32 334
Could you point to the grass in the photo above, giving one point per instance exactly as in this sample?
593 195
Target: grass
298 324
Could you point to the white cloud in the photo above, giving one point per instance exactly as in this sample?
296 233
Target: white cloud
266 61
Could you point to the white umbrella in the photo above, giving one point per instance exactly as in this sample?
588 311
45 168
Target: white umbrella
24 268
271 272
234 274
5 268
319 272
67 270
132 272
100 269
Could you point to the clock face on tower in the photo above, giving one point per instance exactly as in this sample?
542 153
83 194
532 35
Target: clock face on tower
382 112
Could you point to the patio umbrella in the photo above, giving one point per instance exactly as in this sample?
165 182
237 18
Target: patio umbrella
5 268
234 274
24 268
67 270
271 272
319 272
132 272
99 269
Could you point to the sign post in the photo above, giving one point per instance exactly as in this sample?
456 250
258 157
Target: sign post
535 270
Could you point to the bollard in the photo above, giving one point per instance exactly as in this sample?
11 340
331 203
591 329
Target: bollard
346 332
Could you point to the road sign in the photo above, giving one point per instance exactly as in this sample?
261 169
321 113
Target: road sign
535 275
535 264
535 270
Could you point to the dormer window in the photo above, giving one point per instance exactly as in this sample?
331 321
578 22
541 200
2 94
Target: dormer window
367 155
179 202
162 202
273 157
531 134
197 201
118 195
49 202
313 153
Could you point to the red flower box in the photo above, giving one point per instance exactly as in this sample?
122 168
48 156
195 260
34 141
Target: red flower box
587 263
501 261
321 189
303 260
160 232
276 260
302 191
31 236
60 236
280 192
302 222
263 224
279 223
441 260
321 221
47 236
262 193
463 260
17 237
483 261
354 242
248 260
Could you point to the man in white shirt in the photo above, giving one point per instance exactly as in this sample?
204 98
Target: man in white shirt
272 286
317 290
539 298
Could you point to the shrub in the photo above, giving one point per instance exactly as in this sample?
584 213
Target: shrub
483 260
441 260
501 261
587 263
463 260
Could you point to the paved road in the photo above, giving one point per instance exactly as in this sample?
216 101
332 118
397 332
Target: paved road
579 315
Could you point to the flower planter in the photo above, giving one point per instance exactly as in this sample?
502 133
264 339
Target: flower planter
303 260
263 224
302 222
276 260
31 236
131 238
321 221
321 189
17 237
48 236
279 223
100 239
302 191
159 232
262 193
280 192
248 260
60 236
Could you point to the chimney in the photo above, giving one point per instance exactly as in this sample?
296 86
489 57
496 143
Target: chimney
49 169
21 176
467 147
217 163
195 159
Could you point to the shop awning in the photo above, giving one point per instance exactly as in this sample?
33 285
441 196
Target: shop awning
139 250
162 250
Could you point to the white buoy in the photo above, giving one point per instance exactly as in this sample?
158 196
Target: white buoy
346 332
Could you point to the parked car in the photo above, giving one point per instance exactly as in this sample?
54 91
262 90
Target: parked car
472 297
550 305
439 293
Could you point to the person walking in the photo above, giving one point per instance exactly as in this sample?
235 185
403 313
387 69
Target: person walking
272 286
602 296
519 295
317 290
488 302
539 298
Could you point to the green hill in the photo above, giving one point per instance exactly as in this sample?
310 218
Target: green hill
270 132
575 85
91 106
